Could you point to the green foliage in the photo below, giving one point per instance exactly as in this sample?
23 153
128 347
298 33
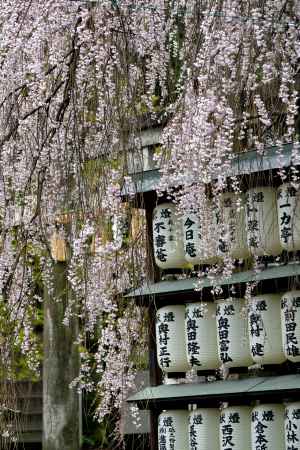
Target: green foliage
96 436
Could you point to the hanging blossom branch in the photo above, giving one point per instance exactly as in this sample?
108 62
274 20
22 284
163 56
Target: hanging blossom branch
75 83
240 92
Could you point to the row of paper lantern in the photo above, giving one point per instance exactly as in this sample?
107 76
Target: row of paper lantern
229 333
265 221
265 427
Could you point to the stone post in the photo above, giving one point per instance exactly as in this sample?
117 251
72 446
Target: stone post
61 405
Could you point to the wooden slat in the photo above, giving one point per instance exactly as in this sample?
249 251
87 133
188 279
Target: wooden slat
211 394
189 284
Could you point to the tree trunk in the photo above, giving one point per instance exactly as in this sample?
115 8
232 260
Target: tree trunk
61 405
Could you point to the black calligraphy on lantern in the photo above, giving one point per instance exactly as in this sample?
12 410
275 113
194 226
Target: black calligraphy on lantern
159 226
227 423
253 199
223 331
160 241
286 203
162 438
234 417
165 213
193 347
253 225
166 433
191 235
261 422
257 329
255 324
292 430
163 233
291 310
163 337
195 421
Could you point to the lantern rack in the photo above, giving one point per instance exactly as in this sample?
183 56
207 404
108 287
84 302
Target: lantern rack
244 164
186 287
283 383
212 394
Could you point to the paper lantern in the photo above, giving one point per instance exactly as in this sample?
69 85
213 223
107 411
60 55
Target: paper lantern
233 241
288 208
201 336
197 250
290 325
235 428
167 237
267 427
170 339
261 222
292 426
232 333
203 429
173 430
264 325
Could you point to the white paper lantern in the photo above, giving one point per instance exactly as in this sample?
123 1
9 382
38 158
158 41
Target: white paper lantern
261 221
292 426
288 208
173 430
235 428
197 250
232 333
264 325
233 241
167 237
203 429
201 335
290 325
267 427
170 339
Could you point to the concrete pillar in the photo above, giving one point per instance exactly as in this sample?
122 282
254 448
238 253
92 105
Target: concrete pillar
61 405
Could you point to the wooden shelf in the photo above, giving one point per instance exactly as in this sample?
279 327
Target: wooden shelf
243 391
245 163
188 285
